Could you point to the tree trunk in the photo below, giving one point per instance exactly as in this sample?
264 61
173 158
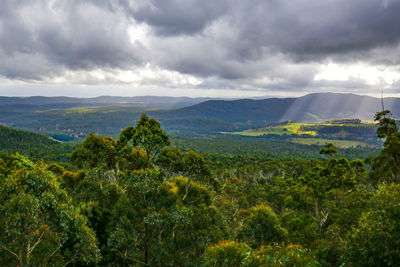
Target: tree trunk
146 248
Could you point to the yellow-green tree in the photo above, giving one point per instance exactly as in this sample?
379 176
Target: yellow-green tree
262 227
39 223
375 241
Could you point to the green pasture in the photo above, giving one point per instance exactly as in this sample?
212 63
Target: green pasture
321 142
287 129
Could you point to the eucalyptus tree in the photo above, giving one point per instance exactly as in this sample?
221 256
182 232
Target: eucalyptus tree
39 224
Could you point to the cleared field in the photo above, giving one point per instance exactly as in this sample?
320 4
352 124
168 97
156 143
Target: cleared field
321 142
287 129
297 128
95 110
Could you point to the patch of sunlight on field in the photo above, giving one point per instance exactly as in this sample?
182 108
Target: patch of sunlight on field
100 109
293 128
68 111
321 142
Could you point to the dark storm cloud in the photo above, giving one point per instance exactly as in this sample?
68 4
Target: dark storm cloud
92 38
63 35
312 29
245 39
315 27
177 16
228 43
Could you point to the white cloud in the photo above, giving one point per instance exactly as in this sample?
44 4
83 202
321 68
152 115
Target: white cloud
372 75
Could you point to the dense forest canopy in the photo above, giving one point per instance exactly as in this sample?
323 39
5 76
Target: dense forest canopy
137 200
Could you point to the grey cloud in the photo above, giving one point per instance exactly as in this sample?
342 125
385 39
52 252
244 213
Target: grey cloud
260 38
92 38
271 45
175 17
68 34
313 29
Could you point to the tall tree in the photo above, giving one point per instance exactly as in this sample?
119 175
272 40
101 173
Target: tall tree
149 136
386 166
329 149
375 241
39 223
386 125
262 227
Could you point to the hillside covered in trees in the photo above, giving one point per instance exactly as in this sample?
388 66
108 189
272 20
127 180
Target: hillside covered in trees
74 118
137 200
33 145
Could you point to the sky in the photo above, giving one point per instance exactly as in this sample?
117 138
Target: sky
199 48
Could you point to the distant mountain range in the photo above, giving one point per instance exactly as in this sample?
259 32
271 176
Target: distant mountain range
67 102
316 107
108 115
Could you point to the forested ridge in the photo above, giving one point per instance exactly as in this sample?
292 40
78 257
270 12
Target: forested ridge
136 200
68 119
33 145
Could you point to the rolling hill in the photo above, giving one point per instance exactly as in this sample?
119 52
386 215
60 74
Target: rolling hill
183 116
41 102
33 145
316 107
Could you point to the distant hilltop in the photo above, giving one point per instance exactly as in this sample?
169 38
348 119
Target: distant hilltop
317 107
345 121
108 115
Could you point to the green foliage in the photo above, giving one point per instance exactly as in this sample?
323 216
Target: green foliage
195 166
342 143
56 169
262 227
375 241
337 173
33 145
70 180
386 125
142 219
302 229
386 166
190 164
329 149
135 201
95 151
291 255
261 147
131 158
191 192
149 135
227 254
170 160
39 224
234 254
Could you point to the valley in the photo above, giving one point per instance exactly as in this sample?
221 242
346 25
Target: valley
69 119
218 172
232 127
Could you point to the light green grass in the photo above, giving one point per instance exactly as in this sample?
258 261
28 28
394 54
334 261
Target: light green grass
293 128
99 109
320 141
287 129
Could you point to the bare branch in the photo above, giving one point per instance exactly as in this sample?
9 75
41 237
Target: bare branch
140 262
323 219
59 246
37 243
13 253
68 262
